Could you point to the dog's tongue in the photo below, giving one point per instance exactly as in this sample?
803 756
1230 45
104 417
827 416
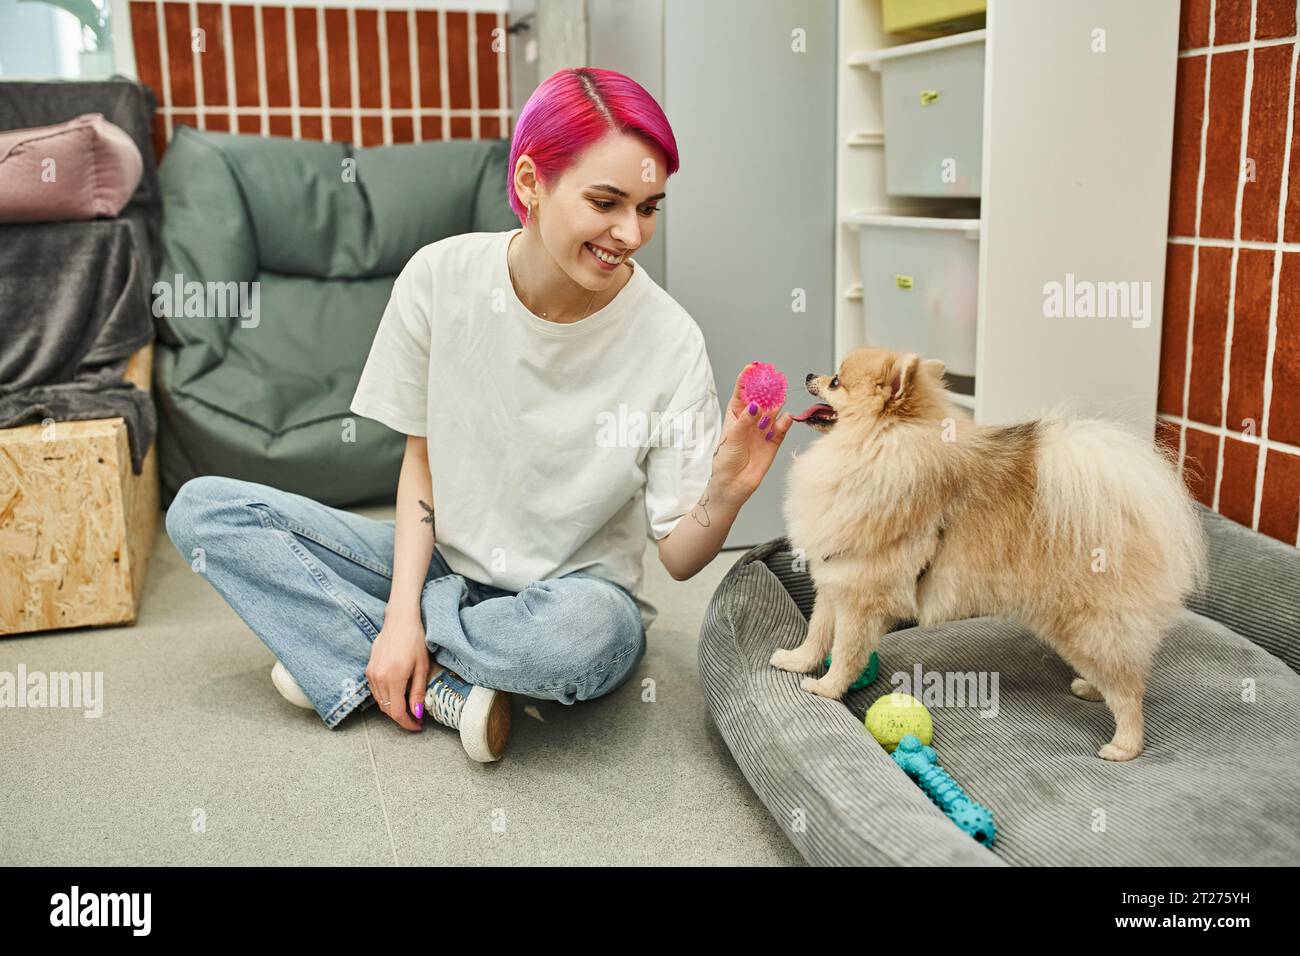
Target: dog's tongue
809 412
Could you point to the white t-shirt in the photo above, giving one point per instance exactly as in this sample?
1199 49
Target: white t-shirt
553 447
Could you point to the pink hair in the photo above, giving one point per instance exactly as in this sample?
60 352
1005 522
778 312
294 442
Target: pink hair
574 108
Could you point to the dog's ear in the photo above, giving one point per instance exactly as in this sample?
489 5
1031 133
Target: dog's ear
935 367
902 377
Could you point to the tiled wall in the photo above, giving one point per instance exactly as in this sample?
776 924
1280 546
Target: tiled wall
328 72
1229 394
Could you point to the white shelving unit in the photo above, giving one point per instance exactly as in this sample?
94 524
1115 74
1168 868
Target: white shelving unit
1077 140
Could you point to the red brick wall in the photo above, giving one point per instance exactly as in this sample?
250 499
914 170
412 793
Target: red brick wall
356 74
1229 394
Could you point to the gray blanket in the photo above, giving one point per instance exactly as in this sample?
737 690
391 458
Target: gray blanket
73 309
74 296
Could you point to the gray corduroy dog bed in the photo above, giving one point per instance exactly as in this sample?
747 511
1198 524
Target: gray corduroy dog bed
1218 783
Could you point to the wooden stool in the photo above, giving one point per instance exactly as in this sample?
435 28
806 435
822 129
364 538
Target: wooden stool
77 525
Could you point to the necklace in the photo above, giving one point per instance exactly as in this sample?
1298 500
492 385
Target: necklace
511 273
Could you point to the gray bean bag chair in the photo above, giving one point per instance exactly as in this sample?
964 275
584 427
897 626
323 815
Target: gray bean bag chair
323 229
1218 783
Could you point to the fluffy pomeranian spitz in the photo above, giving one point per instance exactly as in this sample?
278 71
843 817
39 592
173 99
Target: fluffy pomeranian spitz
905 509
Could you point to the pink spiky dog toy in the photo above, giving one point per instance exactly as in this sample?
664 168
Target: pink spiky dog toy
763 384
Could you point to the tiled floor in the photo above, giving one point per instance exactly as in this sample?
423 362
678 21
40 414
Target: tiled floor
197 760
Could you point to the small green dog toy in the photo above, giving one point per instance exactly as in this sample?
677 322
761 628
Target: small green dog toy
894 716
866 677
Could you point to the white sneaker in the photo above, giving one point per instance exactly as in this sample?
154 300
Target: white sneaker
481 714
288 687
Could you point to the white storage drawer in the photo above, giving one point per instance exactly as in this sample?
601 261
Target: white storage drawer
920 277
932 95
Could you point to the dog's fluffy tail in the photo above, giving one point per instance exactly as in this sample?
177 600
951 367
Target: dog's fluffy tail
1101 486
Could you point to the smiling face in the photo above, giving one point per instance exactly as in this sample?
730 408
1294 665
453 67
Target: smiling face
601 210
869 384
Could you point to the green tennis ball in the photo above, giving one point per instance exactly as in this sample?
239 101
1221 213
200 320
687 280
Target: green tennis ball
868 674
894 716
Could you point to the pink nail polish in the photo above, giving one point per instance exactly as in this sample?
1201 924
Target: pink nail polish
419 711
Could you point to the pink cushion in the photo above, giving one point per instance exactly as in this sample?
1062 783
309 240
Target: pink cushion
80 169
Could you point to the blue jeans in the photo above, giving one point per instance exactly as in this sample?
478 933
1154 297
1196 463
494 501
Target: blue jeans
313 582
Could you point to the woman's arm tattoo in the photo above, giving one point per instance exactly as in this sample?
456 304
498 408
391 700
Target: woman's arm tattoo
429 518
701 511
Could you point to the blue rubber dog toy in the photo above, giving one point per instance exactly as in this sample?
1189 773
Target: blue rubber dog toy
921 764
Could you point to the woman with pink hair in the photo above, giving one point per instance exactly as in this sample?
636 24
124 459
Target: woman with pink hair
559 408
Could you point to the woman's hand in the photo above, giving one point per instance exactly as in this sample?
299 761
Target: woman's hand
751 436
398 671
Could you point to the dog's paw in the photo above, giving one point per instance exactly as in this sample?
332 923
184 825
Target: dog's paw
818 686
1113 751
1084 690
791 660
